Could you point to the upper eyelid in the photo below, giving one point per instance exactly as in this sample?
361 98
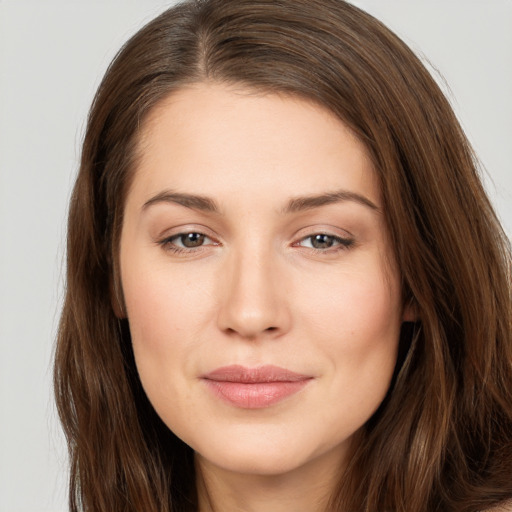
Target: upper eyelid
334 231
336 237
307 230
183 230
183 233
301 233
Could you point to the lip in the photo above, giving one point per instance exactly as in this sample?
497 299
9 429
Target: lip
254 388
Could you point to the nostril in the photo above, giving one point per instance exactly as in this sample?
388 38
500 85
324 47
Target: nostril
250 335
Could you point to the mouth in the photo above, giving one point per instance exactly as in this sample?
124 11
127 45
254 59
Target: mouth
254 388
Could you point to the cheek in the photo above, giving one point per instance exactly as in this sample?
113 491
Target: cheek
163 308
164 330
356 325
360 306
166 314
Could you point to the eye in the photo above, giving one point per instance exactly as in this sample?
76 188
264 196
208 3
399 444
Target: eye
186 242
324 241
189 240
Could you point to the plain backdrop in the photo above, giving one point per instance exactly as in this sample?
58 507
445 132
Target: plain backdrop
52 57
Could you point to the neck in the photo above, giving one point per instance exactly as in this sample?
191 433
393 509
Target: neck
305 489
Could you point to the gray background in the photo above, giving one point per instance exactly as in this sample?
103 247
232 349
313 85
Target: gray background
52 56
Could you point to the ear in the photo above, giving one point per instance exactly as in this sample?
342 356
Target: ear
410 313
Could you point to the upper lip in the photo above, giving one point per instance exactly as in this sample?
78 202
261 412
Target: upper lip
244 375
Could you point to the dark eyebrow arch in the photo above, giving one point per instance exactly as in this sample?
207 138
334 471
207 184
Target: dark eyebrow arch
309 202
297 204
194 202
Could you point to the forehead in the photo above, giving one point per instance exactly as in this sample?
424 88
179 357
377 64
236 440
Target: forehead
212 139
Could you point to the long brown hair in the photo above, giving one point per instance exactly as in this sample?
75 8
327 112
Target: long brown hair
442 439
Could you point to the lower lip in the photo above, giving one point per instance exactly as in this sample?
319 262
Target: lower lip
255 395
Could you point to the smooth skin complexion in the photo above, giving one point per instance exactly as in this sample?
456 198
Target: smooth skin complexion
261 291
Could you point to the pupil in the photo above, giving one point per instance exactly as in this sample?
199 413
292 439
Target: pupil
322 241
192 239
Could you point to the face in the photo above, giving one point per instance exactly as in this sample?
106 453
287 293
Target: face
259 283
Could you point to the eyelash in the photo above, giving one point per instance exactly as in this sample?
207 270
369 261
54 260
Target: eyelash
169 243
342 244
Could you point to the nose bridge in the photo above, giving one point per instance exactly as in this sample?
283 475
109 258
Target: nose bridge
253 301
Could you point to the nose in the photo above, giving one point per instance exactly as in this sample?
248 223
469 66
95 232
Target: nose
253 295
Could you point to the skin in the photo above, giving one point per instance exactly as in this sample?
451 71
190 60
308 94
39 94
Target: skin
256 289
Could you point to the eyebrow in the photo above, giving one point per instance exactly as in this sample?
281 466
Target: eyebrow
192 201
296 204
309 202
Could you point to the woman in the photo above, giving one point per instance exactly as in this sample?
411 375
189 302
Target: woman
287 289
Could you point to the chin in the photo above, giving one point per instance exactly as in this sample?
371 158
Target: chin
263 454
257 462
